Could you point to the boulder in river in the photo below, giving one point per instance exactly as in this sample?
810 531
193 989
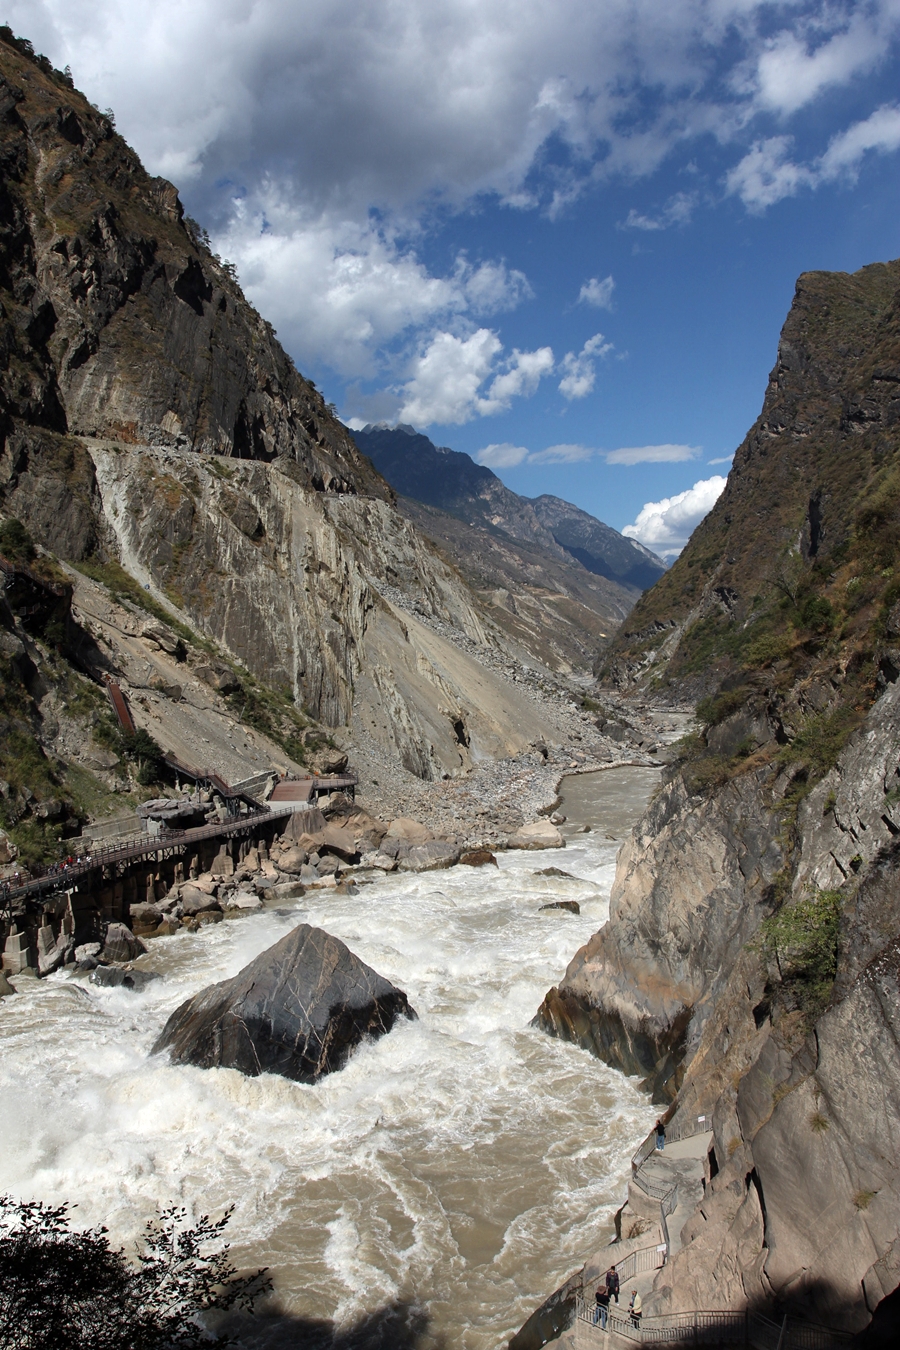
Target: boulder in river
572 906
121 944
114 977
479 857
409 831
196 901
430 857
292 860
299 1009
538 834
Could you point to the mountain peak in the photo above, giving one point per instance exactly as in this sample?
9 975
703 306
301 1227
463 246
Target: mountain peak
451 481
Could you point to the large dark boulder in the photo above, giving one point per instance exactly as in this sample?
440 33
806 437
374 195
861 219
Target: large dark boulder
299 1010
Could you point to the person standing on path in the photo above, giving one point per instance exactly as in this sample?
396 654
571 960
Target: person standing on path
601 1312
612 1283
660 1136
635 1307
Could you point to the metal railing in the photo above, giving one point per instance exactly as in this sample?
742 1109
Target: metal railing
652 1257
715 1327
691 1126
62 875
655 1256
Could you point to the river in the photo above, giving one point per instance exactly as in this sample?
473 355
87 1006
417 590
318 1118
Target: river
461 1166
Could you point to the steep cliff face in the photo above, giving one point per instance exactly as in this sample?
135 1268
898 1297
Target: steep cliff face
118 323
749 970
691 887
813 489
149 415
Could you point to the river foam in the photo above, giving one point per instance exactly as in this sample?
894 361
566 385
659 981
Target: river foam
463 1163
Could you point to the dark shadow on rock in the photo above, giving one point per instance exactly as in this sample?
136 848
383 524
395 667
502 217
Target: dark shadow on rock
811 1321
400 1325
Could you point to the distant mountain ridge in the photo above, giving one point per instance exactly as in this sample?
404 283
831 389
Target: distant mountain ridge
451 481
598 547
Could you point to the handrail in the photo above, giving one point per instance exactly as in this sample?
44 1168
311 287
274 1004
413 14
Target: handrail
126 850
692 1126
716 1327
12 569
666 1193
642 1259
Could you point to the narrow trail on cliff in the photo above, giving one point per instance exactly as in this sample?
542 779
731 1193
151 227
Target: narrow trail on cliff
465 1161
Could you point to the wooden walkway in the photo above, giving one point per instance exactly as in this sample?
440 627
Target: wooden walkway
62 876
288 796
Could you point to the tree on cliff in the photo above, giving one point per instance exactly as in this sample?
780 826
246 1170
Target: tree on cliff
71 1290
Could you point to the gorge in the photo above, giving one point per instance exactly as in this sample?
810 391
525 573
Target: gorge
193 521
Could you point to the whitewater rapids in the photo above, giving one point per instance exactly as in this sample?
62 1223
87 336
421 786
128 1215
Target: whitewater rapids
464 1163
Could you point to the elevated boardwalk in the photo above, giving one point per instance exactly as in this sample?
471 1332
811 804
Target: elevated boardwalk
245 814
671 1177
112 857
310 788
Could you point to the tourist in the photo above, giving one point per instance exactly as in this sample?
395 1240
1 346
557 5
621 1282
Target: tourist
635 1307
660 1136
612 1283
601 1312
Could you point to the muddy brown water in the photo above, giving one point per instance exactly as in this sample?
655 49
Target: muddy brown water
462 1165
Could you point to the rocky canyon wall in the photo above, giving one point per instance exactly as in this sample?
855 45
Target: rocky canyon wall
750 970
148 415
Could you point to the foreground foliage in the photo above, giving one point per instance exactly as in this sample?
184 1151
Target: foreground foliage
71 1290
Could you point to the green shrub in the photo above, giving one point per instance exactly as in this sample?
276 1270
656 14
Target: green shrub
766 649
802 940
820 740
817 614
16 543
717 708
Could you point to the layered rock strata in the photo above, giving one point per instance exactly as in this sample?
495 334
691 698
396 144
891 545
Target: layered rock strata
149 416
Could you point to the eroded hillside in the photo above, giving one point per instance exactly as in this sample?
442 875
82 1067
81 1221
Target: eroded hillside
151 421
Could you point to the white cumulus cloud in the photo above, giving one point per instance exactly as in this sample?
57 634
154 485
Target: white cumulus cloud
454 379
580 371
825 50
767 173
597 293
339 292
665 526
319 142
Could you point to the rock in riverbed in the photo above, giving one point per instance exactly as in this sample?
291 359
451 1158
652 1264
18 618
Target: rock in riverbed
538 834
121 944
299 1009
479 857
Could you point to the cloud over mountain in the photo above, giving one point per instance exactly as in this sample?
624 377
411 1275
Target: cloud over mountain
291 127
665 526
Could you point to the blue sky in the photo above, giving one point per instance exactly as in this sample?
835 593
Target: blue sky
560 236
